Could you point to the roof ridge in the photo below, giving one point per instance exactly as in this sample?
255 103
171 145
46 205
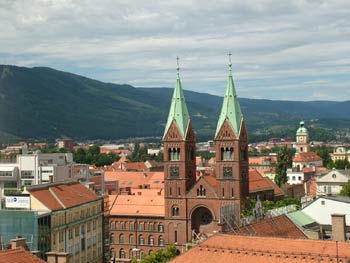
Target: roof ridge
56 197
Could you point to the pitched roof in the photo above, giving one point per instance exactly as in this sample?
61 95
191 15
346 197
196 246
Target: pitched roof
307 157
230 109
19 256
178 110
300 218
136 179
257 182
277 191
62 195
137 166
138 205
279 226
247 249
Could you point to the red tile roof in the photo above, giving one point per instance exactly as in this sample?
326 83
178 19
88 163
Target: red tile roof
139 166
62 195
138 205
232 248
257 182
136 179
18 256
279 226
277 191
307 157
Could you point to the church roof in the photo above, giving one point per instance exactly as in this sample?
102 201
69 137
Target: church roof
178 110
230 109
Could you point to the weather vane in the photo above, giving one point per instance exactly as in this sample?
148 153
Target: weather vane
230 62
177 63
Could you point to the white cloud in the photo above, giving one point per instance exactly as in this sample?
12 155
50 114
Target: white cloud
281 49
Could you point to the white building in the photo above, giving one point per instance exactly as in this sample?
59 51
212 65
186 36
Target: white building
331 182
322 209
35 168
340 153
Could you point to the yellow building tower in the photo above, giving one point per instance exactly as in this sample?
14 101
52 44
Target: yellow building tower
302 137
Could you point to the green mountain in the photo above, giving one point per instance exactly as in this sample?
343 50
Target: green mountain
45 103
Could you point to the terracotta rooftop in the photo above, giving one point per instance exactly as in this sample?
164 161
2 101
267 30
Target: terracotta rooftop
18 256
135 205
231 248
136 179
257 182
307 157
277 191
62 195
279 226
138 166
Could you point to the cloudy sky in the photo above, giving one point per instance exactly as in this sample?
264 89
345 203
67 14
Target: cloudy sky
290 50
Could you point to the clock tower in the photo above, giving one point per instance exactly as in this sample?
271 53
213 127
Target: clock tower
302 137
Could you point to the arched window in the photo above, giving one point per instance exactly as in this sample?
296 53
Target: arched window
174 154
142 254
141 240
151 240
201 191
131 239
122 225
227 154
150 252
141 226
121 239
122 253
112 239
112 225
175 211
161 241
132 226
112 254
160 228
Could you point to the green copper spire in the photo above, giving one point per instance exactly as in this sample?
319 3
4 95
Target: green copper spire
178 109
230 107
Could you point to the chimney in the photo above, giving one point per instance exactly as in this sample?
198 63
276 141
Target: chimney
18 242
51 257
338 227
63 257
51 180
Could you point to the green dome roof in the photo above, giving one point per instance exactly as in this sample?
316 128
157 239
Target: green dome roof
302 130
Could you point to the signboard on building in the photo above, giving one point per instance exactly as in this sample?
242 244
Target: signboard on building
17 201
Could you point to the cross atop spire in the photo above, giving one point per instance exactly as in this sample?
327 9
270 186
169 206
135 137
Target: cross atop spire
177 67
230 62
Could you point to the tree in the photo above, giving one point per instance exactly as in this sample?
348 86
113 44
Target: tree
345 190
284 161
324 153
339 164
159 256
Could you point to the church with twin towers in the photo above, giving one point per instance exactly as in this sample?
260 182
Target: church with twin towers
180 205
202 205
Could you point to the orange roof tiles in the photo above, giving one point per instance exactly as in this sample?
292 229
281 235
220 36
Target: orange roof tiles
257 182
136 179
279 226
58 196
139 166
136 205
232 248
18 256
307 157
277 191
211 180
